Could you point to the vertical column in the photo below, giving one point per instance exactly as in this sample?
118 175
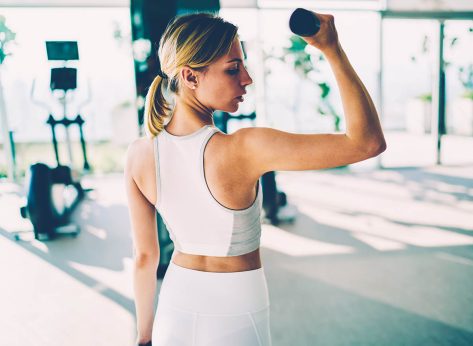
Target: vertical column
438 95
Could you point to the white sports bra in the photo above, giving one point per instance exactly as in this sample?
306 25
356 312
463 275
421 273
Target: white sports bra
197 223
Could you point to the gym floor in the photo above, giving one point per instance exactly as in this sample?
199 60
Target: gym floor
375 257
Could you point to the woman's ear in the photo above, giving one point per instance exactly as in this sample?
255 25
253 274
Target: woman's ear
189 77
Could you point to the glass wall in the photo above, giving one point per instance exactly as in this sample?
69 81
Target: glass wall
409 55
410 63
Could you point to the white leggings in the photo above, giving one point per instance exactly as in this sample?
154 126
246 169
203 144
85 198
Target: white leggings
197 308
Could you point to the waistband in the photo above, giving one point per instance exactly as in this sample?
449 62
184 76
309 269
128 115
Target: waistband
214 292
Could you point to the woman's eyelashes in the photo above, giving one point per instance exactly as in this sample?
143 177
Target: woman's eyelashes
234 71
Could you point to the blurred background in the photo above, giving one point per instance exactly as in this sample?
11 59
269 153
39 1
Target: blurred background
374 253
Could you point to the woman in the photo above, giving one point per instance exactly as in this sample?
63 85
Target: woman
205 184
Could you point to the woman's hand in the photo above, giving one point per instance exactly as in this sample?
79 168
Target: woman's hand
326 38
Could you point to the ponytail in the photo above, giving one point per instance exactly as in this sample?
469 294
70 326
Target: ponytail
156 107
194 40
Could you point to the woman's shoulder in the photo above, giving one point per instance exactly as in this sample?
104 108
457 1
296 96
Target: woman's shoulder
141 145
139 167
140 153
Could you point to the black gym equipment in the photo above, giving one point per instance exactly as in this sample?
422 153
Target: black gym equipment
304 23
66 123
54 193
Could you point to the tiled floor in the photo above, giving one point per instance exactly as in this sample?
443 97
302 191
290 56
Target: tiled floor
375 257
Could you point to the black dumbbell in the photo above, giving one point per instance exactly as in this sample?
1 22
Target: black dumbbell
304 23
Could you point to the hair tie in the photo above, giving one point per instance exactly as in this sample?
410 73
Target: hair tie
162 74
160 71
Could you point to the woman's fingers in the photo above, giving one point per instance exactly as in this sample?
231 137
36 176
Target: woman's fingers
327 36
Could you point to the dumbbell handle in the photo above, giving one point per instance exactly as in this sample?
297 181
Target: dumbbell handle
304 23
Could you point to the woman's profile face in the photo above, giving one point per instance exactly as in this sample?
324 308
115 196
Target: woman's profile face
224 82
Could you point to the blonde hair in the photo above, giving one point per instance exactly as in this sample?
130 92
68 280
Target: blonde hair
194 40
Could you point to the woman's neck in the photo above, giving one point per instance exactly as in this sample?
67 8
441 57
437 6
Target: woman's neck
188 117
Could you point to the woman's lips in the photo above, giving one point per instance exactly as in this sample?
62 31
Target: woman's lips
240 98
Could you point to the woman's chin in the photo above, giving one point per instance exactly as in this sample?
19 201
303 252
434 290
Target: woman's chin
230 109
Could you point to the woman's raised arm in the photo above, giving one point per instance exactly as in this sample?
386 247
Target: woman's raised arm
266 149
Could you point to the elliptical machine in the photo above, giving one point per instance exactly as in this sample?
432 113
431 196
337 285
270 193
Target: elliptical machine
54 193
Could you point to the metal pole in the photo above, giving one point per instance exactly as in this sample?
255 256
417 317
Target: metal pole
66 128
438 96
52 122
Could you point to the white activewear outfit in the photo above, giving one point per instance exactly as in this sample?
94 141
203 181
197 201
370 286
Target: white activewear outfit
197 307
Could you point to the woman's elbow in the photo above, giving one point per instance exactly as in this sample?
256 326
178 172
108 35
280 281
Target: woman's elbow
377 147
143 260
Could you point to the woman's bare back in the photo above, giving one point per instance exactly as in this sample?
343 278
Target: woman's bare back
229 182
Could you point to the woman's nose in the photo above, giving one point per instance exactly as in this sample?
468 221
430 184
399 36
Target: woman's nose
247 79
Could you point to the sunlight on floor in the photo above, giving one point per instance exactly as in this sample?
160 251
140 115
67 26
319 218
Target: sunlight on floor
277 239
